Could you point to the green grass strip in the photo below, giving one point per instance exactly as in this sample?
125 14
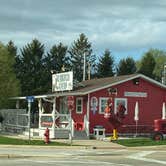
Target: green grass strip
15 141
134 142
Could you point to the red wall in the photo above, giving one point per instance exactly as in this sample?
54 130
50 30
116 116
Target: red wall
150 107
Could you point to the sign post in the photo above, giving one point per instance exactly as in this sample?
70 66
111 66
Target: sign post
29 99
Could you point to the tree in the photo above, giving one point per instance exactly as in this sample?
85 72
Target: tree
9 85
147 65
126 66
12 49
79 48
33 73
106 65
160 59
57 58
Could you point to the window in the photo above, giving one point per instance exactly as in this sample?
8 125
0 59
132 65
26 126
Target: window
120 101
102 104
79 106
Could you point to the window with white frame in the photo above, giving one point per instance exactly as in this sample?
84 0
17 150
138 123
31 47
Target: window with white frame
79 105
102 104
118 101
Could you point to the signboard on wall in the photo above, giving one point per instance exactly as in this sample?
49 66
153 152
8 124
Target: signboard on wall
62 81
135 94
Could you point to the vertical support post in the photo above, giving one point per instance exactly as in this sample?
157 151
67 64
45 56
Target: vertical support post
136 130
70 135
53 116
88 112
29 119
40 112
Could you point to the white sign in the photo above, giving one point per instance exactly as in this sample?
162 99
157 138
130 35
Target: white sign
62 81
135 94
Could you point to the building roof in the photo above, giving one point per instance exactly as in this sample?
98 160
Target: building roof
89 86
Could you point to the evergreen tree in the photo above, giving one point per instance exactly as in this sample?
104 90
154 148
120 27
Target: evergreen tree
12 49
33 73
9 85
79 48
57 58
147 65
106 65
126 66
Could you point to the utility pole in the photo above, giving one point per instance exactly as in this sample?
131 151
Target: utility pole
89 70
84 67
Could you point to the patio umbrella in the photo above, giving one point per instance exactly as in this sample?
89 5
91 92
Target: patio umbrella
163 111
136 117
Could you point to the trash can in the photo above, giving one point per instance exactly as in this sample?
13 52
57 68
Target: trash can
99 132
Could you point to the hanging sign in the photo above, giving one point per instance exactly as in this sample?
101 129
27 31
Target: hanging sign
62 81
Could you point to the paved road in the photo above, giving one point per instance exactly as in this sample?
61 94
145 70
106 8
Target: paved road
41 156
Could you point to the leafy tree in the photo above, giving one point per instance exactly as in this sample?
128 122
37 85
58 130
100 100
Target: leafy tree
33 74
126 66
79 48
160 59
147 65
9 85
106 65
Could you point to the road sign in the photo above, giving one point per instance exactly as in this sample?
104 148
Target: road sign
30 99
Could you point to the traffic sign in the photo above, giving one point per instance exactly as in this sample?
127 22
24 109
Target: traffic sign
30 99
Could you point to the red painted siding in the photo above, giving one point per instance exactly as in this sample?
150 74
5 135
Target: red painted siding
150 107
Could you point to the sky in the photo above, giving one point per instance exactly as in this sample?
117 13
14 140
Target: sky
125 27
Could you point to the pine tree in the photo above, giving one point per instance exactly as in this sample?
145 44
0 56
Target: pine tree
106 65
57 58
79 48
126 66
33 75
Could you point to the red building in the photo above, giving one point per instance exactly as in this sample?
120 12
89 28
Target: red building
88 100
91 96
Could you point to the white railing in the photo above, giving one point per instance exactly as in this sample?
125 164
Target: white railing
86 125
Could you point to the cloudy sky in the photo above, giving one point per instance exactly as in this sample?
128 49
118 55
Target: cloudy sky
126 27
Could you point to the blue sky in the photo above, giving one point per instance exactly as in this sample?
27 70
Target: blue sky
126 27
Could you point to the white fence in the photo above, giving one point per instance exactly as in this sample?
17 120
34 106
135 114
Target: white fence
14 120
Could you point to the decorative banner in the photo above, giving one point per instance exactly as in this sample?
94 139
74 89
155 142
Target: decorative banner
94 104
70 102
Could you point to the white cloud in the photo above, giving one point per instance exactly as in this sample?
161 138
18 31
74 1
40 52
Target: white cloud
121 25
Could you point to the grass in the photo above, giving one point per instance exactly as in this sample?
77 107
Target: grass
14 141
134 142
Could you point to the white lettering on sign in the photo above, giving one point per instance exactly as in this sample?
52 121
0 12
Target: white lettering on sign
135 94
62 81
